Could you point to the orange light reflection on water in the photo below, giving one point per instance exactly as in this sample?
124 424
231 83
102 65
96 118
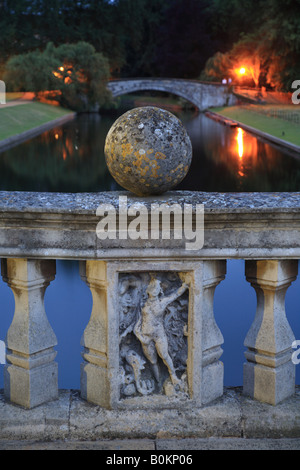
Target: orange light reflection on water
240 142
240 150
244 151
245 146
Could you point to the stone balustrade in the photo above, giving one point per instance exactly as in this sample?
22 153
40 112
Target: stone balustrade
152 340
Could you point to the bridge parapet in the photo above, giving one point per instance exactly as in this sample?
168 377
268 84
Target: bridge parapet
36 229
201 94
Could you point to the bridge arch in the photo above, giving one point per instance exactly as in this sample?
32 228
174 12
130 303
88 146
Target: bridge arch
201 94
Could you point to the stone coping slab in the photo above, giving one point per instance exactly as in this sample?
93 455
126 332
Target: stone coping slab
231 416
63 226
87 203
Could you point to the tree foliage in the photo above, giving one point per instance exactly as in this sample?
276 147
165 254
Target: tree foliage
173 38
265 35
246 53
184 40
75 72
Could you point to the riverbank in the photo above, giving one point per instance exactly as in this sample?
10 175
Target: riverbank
19 123
263 121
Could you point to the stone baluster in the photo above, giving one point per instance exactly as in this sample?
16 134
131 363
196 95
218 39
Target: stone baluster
212 339
30 375
269 374
95 374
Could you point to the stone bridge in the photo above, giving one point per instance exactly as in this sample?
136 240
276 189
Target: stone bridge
201 94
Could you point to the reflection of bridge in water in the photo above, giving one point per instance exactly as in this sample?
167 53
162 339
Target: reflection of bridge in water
201 94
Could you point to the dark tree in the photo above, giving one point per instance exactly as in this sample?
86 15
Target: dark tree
172 38
137 24
184 39
75 73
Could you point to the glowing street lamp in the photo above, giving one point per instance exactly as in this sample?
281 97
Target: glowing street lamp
242 71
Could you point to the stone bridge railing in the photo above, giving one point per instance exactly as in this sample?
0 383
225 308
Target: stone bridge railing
151 341
203 95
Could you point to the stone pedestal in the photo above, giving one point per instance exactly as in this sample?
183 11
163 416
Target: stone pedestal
152 339
269 374
30 376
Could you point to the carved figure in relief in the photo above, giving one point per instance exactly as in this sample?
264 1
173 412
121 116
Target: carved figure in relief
143 386
149 328
133 363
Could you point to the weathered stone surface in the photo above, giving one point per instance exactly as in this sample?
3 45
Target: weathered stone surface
240 225
156 446
47 421
148 343
31 375
247 226
105 444
150 325
212 338
269 374
261 420
153 333
148 151
227 444
221 418
232 416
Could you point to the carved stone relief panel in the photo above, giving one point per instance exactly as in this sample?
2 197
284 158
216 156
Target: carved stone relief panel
153 333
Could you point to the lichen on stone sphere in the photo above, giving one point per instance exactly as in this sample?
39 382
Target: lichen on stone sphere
148 151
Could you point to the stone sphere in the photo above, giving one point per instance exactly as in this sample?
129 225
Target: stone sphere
148 151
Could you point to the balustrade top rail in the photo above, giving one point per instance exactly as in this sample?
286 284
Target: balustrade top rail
236 225
160 79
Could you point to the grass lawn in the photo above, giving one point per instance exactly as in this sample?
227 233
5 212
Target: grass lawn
17 119
257 117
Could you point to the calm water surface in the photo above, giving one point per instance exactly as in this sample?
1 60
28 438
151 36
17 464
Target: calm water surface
70 159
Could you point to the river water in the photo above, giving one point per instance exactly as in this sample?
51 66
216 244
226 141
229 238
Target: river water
70 159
